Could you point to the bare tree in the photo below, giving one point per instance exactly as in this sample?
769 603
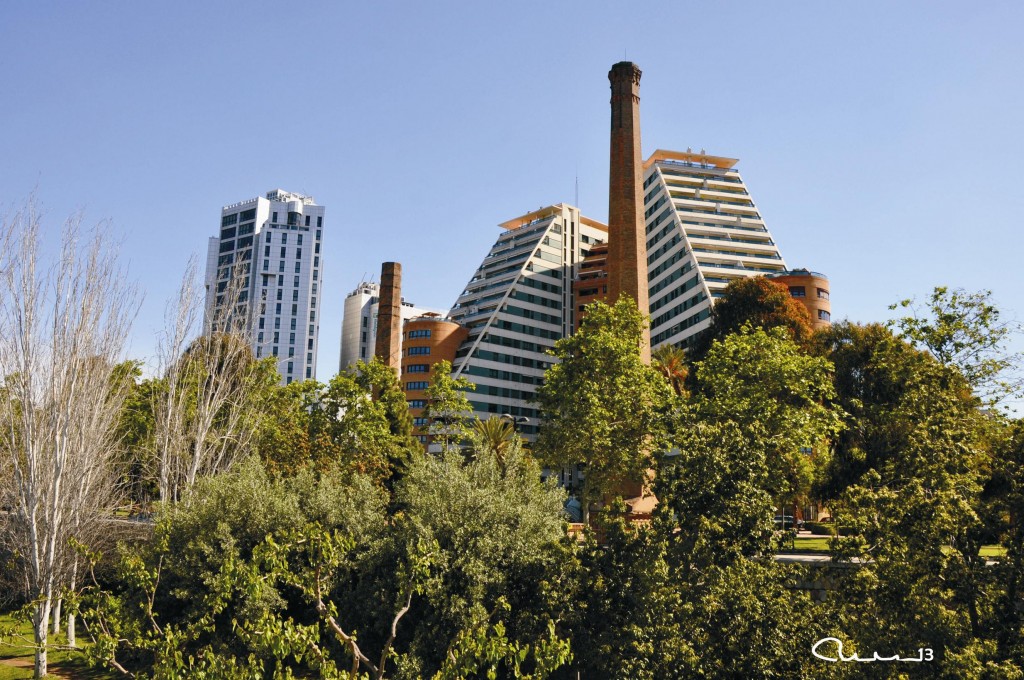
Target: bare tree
62 333
212 382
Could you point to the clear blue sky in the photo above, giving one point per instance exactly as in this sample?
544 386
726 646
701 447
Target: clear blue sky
882 141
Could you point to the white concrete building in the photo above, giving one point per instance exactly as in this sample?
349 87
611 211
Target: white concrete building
359 323
273 242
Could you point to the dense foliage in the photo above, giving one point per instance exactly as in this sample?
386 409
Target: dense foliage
258 576
603 407
758 302
338 547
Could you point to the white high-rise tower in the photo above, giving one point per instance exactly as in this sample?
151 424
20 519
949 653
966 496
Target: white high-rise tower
273 243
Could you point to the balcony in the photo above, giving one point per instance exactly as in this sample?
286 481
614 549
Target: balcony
734 253
730 239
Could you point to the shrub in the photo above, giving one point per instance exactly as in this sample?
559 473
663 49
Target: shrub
818 528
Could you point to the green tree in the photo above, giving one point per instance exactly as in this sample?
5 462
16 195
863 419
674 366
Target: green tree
718 491
877 377
696 594
967 331
448 409
263 576
778 396
1005 490
602 406
626 622
693 595
500 537
286 438
136 425
178 603
761 303
308 423
384 383
906 478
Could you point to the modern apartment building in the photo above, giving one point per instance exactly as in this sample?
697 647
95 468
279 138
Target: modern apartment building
272 244
517 304
682 225
359 323
703 231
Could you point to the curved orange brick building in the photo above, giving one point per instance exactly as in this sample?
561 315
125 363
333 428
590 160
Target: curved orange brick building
811 289
426 340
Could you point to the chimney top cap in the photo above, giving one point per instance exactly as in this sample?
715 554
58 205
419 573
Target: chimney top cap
626 66
625 71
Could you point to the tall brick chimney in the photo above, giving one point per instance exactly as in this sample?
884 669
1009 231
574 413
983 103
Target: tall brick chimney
627 240
389 316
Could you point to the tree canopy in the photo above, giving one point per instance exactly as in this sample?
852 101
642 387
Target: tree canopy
760 303
780 397
448 409
967 331
602 406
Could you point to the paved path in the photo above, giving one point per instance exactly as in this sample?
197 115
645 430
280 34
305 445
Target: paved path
802 557
55 670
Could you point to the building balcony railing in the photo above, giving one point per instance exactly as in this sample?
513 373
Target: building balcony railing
740 266
767 256
732 239
724 225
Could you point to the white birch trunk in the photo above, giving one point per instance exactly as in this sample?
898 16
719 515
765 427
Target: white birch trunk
56 616
71 613
40 619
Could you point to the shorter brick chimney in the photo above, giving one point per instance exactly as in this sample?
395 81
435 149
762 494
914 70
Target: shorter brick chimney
389 316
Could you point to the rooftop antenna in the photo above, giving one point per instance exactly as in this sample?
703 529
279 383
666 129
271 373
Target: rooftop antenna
576 197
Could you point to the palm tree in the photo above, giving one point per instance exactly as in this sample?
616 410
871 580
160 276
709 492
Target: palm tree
670 361
496 435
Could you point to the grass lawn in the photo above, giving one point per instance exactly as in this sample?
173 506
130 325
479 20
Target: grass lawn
811 543
992 551
16 661
819 544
